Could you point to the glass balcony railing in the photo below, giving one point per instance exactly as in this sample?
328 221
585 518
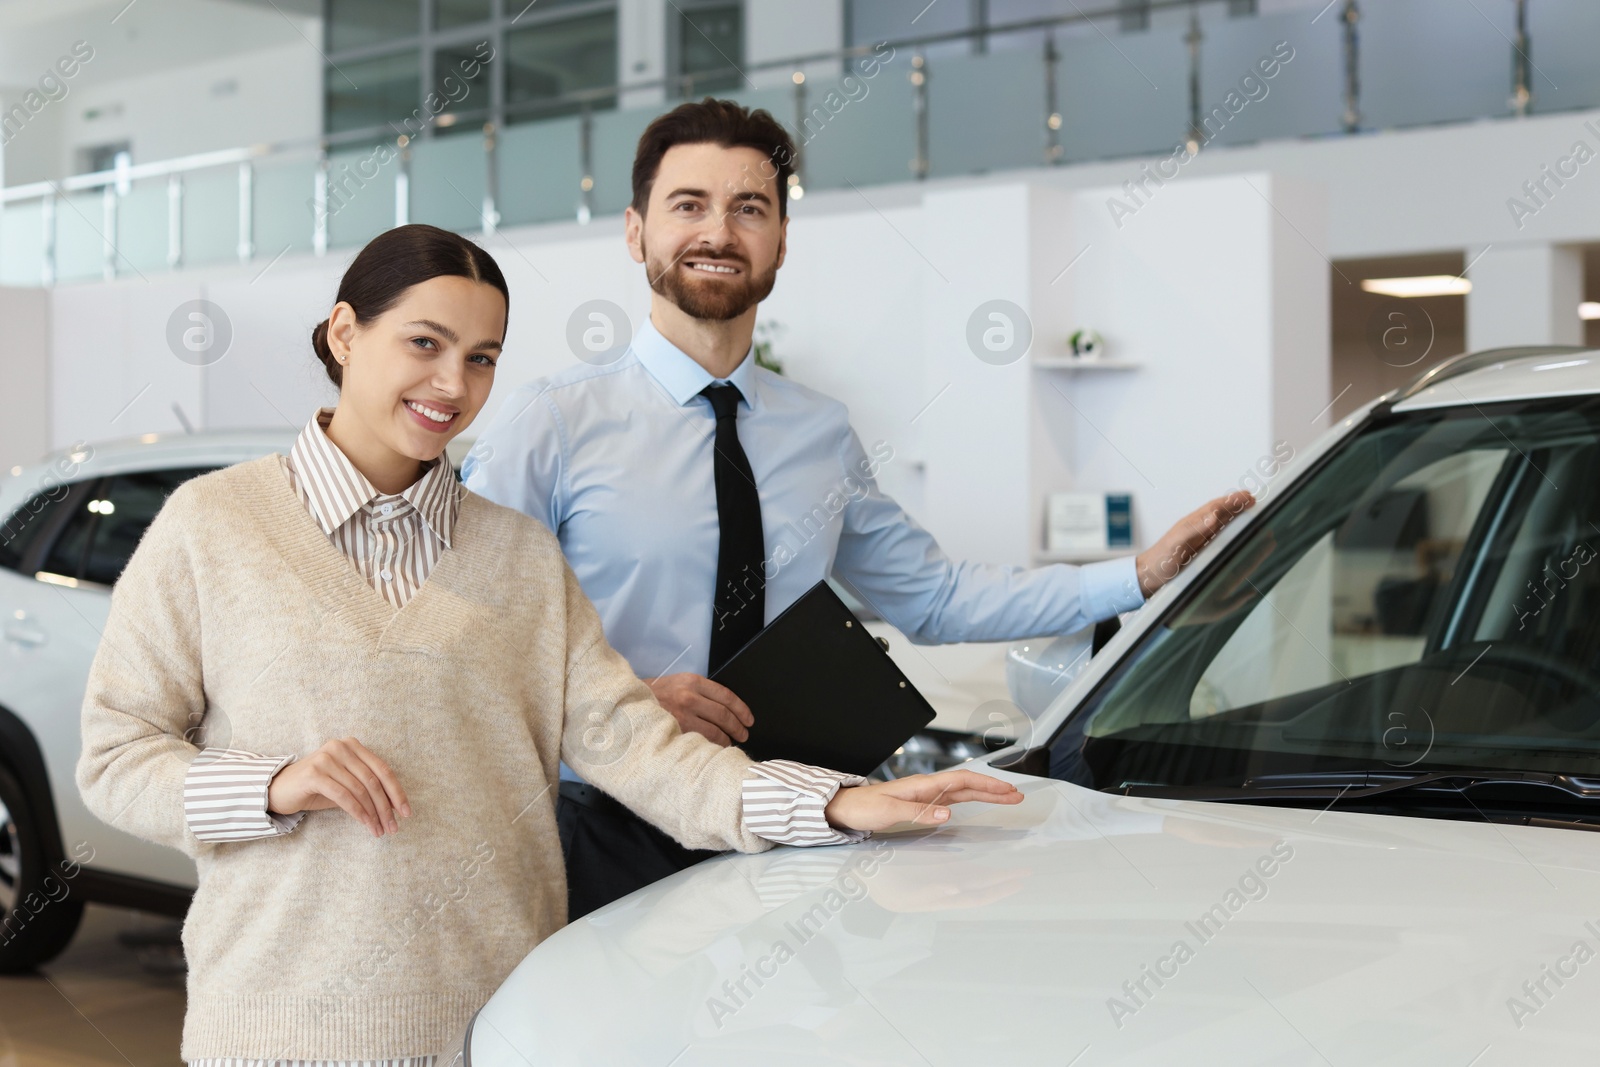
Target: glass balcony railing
1039 93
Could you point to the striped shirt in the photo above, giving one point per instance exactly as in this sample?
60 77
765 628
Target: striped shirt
394 540
399 1061
783 801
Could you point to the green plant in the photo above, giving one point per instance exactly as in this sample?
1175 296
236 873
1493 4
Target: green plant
766 332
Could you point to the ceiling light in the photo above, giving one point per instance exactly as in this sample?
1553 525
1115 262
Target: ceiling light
1425 285
1589 310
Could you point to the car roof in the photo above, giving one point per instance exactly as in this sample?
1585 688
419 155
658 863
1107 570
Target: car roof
158 448
1500 374
151 451
154 450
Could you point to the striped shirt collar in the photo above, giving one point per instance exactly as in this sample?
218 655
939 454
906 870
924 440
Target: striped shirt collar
337 490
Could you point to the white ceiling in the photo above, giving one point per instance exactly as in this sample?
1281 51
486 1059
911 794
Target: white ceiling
144 36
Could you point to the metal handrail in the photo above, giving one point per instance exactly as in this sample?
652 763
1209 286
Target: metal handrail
573 98
163 168
115 182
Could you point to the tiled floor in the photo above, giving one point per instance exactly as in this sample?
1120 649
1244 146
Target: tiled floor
101 1003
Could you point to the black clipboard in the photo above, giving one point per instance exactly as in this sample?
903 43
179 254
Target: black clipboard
822 689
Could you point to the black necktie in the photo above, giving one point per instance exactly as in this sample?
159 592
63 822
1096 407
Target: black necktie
739 606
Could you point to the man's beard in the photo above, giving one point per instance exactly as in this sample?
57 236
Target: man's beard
710 298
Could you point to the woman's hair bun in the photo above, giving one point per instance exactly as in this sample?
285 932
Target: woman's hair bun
393 262
319 344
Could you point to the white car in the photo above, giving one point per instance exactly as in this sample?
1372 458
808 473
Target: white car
1329 798
67 527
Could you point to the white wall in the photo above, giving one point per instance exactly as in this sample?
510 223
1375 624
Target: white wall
271 95
1221 298
30 151
25 370
112 372
1525 294
1300 342
269 376
974 248
850 299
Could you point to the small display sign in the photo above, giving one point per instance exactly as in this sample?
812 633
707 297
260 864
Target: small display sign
1089 522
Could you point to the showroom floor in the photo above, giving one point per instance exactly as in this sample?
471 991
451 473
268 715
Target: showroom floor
113 999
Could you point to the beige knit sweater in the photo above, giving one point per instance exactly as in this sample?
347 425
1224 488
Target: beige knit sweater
237 613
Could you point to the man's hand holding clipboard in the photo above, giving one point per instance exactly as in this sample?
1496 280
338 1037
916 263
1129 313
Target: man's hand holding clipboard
821 690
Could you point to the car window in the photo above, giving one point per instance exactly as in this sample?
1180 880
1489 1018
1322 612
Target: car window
1361 597
23 527
65 556
106 527
1428 598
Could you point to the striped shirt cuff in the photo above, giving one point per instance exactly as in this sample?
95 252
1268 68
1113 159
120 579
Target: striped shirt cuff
784 802
404 1061
225 796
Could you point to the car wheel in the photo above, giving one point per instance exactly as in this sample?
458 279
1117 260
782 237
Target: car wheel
38 912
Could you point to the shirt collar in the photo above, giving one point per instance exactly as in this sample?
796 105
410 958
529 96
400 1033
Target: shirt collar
337 490
681 376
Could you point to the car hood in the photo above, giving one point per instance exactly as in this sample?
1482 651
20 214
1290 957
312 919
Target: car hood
1079 924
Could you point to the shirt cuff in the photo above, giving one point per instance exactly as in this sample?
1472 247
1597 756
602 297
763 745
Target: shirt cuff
784 803
225 796
1109 588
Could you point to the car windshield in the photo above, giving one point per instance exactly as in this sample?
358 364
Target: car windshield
1428 599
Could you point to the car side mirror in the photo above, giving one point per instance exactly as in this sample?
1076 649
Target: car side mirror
1042 668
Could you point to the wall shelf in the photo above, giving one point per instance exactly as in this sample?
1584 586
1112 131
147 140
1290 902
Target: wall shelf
1074 365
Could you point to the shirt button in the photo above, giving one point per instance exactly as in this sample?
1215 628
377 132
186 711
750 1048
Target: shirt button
386 509
386 575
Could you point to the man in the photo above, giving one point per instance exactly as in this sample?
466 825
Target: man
684 482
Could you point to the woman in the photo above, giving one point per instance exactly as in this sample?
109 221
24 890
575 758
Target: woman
384 649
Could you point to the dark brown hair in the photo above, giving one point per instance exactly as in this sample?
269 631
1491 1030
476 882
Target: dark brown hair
393 262
712 121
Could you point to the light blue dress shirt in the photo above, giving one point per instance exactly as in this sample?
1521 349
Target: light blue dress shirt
618 461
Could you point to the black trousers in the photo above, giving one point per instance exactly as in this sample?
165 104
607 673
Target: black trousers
610 851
